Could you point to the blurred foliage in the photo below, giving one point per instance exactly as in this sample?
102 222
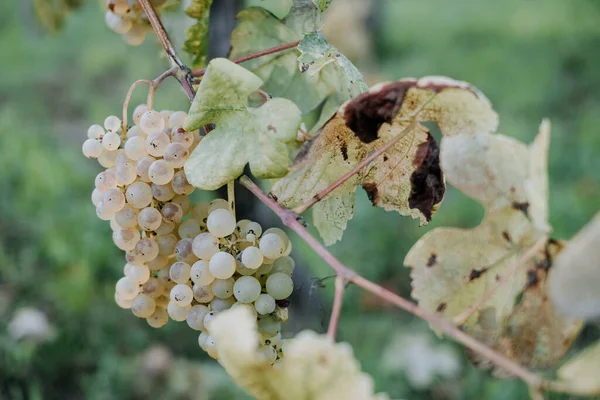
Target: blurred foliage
532 59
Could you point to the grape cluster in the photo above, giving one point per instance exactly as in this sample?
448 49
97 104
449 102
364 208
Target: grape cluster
128 19
184 262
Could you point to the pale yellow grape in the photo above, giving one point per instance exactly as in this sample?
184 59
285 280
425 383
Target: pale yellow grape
157 143
176 154
152 122
135 36
251 228
182 295
159 318
105 180
252 257
223 288
200 273
246 289
162 192
126 174
97 197
122 159
139 273
205 246
184 202
268 354
138 194
284 237
178 313
163 276
200 212
248 307
113 224
113 200
111 141
103 213
285 265
165 114
142 166
149 219
135 147
183 251
143 306
112 123
218 203
180 135
166 243
172 212
135 131
127 288
92 148
120 7
126 239
107 158
243 270
217 304
210 347
265 304
159 262
180 184
165 228
153 288
195 317
95 132
241 224
203 294
177 119
220 222
271 245
127 217
209 318
280 286
123 303
160 172
269 327
138 112
264 269
202 340
180 272
222 265
146 249
189 229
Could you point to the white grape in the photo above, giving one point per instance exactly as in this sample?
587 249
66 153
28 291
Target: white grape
138 112
107 158
181 185
135 147
135 36
195 317
218 305
209 318
252 257
139 194
111 141
180 272
152 122
92 148
246 289
162 192
251 228
166 243
117 23
183 251
149 219
222 265
268 354
159 318
153 288
269 327
180 135
139 273
157 143
123 303
178 313
203 294
160 172
113 224
113 200
143 306
243 270
218 203
165 114
97 197
136 131
205 246
103 213
105 180
125 174
176 154
284 264
127 288
184 202
142 167
200 212
271 245
210 347
182 295
223 288
112 123
189 229
200 273
159 262
145 250
172 212
165 228
221 222
280 286
126 239
263 269
202 339
265 304
127 217
95 132
177 119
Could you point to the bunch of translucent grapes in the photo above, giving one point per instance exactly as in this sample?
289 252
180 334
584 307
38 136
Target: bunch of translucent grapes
128 19
183 262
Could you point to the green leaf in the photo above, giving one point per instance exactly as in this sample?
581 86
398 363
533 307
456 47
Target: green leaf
196 42
279 8
322 5
259 136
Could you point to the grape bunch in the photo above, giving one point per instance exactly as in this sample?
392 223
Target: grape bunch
183 262
128 19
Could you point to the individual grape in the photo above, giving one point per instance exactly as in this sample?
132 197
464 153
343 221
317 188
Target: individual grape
97 196
113 224
246 289
209 318
220 222
165 114
195 317
200 212
280 286
139 273
176 154
271 245
178 313
210 347
172 212
180 135
111 141
127 217
218 203
243 270
202 339
159 318
126 239
142 167
117 23
103 213
166 243
159 262
135 147
165 228
105 180
269 327
248 307
127 288
181 185
123 303
218 305
153 288
152 122
157 143
180 272
177 119
264 269
184 202
143 306
223 288
136 131
203 294
162 192
112 123
160 172
107 158
251 228
284 265
145 250
222 265
189 229
200 273
139 194
252 257
92 148
268 354
138 112
135 36
205 246
183 251
95 132
265 304
182 295
149 219
113 200
242 224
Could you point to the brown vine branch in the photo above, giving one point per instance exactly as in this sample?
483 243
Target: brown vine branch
291 220
276 49
340 286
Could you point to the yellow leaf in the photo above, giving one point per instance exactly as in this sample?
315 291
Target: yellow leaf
582 373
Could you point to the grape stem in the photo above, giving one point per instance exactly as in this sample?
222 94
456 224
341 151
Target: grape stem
290 219
340 286
231 196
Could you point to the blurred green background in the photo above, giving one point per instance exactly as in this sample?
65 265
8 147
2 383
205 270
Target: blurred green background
533 59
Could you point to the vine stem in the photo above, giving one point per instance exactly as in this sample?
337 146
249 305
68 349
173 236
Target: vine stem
340 286
291 220
276 49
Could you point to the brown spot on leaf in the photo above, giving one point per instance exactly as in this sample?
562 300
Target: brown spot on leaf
344 149
432 260
371 189
523 207
427 182
441 307
365 114
385 158
271 128
506 236
476 273
532 278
